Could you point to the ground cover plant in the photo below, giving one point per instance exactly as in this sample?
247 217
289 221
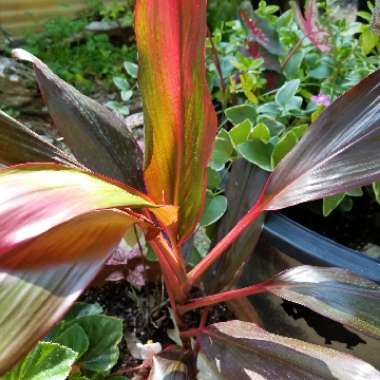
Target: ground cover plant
65 215
267 57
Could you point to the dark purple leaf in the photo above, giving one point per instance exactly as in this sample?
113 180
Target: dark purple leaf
18 144
97 136
244 351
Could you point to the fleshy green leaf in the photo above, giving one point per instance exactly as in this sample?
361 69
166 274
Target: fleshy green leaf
331 203
213 179
180 122
18 144
242 350
258 153
287 92
260 132
339 152
240 113
104 334
96 136
240 132
283 147
222 151
47 361
376 190
215 208
131 68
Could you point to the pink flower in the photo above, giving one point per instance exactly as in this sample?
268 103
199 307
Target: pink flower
321 98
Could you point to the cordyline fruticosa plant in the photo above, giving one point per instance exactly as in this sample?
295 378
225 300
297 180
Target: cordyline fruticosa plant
61 217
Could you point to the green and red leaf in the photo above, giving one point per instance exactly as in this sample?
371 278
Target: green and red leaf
180 123
242 350
61 225
36 198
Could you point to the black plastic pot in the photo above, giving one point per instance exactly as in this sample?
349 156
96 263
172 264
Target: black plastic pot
285 244
312 248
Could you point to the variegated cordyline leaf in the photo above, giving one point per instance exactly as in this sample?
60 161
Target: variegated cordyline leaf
242 350
98 138
333 292
339 152
58 227
180 122
37 197
18 144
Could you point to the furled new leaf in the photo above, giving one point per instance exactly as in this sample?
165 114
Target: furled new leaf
339 152
97 137
18 144
180 123
242 350
335 293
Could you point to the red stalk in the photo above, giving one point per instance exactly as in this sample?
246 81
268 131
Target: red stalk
213 299
173 273
219 249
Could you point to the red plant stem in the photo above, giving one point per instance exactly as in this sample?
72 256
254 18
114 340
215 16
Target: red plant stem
218 250
172 271
213 299
190 332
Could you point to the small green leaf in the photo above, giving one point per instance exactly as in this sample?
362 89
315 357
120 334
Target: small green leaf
331 203
47 361
358 192
376 190
368 40
271 109
126 95
104 334
238 114
222 151
283 147
121 83
299 130
213 179
260 132
274 126
292 67
131 68
258 153
240 132
321 72
81 309
286 92
215 208
75 338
